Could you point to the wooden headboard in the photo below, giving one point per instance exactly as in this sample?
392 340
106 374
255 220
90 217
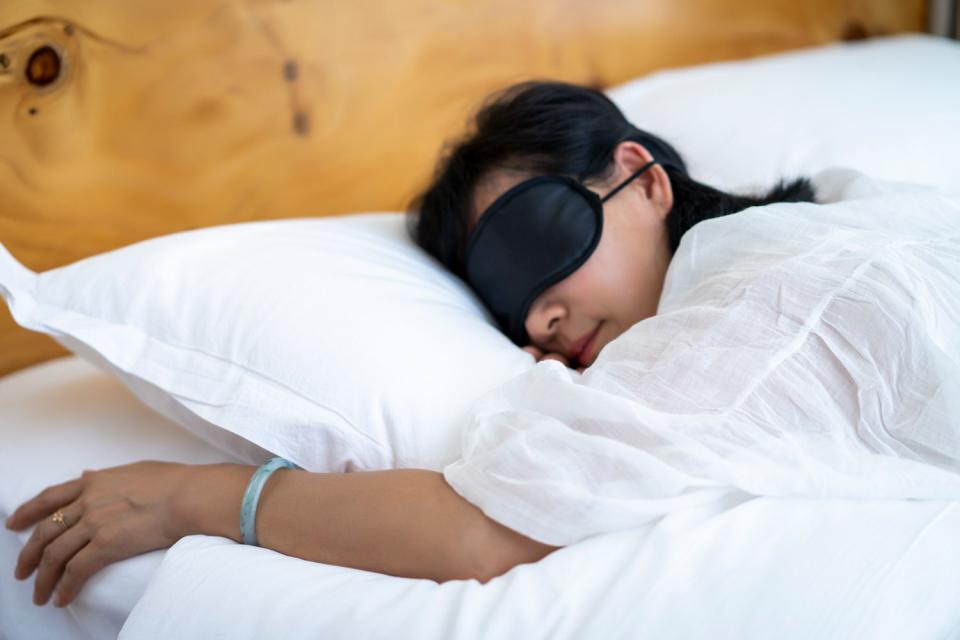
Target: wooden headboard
123 120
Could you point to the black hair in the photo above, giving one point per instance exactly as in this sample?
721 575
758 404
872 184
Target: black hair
547 127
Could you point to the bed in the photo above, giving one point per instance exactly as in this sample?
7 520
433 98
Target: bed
672 580
281 131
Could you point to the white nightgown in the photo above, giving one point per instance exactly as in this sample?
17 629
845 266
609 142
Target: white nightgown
798 349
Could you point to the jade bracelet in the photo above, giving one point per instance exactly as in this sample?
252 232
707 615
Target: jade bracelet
248 508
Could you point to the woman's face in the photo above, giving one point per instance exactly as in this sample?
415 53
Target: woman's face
620 283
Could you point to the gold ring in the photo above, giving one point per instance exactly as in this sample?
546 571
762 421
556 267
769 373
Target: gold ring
58 518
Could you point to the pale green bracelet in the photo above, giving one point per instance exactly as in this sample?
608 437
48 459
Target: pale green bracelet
248 508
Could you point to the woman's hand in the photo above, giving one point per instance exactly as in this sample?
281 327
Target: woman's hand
109 515
539 354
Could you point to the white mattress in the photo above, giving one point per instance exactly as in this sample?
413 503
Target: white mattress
791 568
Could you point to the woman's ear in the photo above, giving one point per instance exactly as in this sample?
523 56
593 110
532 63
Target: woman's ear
654 182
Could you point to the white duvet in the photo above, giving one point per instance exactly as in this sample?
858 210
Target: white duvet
798 350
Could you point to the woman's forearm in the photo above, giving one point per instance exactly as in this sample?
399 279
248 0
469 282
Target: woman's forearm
402 522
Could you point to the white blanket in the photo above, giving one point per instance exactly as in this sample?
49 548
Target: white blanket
798 350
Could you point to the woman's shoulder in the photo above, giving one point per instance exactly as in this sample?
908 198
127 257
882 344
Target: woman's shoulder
856 217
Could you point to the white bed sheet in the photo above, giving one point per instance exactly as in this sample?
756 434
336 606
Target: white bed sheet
57 419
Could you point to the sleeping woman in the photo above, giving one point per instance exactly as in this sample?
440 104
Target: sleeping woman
696 348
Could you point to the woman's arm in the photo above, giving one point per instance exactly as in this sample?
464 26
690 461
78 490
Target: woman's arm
402 522
405 522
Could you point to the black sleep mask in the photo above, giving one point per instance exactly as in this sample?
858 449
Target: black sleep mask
533 236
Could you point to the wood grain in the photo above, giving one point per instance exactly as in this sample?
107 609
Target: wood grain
168 116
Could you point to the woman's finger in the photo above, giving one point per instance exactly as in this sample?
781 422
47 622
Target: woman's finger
117 540
43 534
87 561
54 560
556 356
45 503
534 351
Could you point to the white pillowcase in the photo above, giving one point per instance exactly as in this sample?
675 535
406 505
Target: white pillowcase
888 107
334 342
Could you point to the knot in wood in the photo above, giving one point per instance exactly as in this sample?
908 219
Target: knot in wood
44 65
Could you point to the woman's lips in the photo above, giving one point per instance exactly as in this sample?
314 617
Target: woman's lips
585 353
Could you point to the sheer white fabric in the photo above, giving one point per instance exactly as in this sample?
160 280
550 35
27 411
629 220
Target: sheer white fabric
798 350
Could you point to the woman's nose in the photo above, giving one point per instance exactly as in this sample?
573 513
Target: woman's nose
543 322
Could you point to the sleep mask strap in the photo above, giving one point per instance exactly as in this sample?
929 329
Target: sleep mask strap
627 181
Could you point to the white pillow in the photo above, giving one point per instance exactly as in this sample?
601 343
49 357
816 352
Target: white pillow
336 342
889 107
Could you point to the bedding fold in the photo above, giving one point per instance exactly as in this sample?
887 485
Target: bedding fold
799 350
